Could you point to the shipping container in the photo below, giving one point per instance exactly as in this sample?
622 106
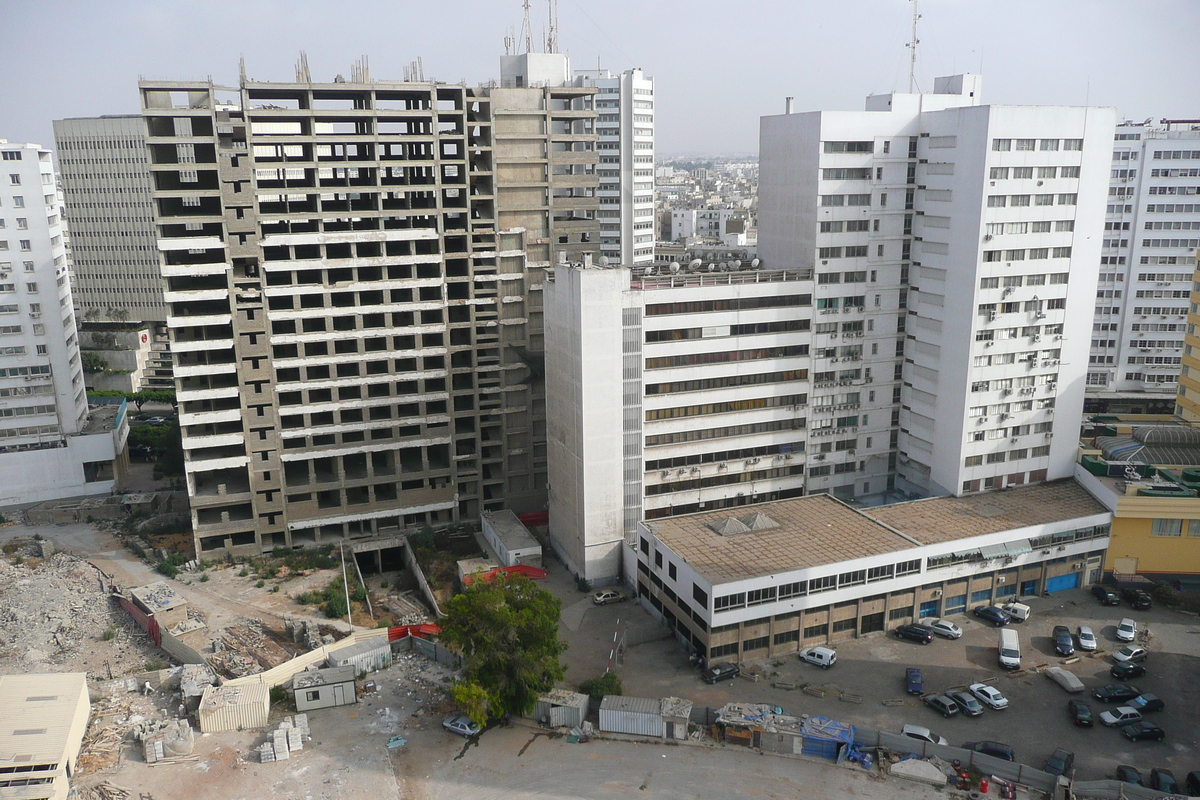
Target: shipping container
561 709
232 708
637 715
366 656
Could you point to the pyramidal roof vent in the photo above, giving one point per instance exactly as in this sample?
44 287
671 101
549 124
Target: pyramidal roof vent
728 526
758 522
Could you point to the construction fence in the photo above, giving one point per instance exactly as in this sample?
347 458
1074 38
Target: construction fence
1008 770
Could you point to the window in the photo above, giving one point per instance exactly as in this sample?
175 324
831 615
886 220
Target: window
1019 200
849 147
14 179
899 613
1073 144
908 567
312 697
1168 527
793 589
1002 144
1068 199
730 601
997 201
998 173
1025 144
1061 252
756 597
758 643
700 596
981 596
989 283
1047 172
1023 173
671 571
1048 144
787 636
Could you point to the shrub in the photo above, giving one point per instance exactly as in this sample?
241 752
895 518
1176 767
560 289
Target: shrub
168 569
383 584
583 584
244 573
261 583
275 588
37 537
204 577
335 606
359 593
278 695
154 664
597 688
1165 593
110 634
19 560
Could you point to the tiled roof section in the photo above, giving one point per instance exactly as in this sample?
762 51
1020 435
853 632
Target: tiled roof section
945 519
810 532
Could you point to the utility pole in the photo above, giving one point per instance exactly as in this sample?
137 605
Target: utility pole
912 51
346 585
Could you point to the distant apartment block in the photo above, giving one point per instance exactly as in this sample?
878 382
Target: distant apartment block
1151 238
50 446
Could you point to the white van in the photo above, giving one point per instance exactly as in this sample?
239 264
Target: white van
1010 649
1018 611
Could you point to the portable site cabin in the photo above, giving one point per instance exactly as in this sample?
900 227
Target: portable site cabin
825 738
675 713
510 539
561 709
231 708
366 656
325 688
636 715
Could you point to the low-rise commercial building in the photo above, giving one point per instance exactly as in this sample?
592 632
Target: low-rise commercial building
1149 477
42 722
765 581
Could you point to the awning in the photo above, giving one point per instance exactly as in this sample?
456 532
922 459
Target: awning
993 551
1019 548
965 554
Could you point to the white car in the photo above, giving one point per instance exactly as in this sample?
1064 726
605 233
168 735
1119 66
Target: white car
988 695
823 657
1087 639
1127 630
462 725
1131 653
943 627
923 734
1124 715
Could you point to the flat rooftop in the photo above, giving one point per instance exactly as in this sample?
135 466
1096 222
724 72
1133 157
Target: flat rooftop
807 532
511 530
946 519
36 716
157 597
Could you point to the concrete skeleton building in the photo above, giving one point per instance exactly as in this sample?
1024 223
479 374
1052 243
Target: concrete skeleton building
50 445
902 336
763 582
954 238
1151 239
118 291
354 277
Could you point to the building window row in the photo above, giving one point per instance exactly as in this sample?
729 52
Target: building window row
730 304
665 362
1029 173
703 409
1176 154
724 382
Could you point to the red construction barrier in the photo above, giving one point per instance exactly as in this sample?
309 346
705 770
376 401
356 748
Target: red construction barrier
400 631
534 573
535 519
148 623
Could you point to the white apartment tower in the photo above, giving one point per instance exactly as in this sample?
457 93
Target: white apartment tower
625 128
1151 238
958 240
50 447
107 188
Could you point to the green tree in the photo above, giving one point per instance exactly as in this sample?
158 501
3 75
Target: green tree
597 688
92 361
507 632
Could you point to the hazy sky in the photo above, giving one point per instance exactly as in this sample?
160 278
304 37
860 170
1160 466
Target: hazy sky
718 65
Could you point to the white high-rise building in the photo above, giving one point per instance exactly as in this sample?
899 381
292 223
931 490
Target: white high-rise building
625 124
50 446
1151 237
968 235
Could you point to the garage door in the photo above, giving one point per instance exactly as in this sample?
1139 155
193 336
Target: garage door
1068 581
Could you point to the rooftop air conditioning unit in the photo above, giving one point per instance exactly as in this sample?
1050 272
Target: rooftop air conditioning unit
1001 578
1013 440
937 593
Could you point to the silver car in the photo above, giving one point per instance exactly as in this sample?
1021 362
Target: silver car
1087 639
943 627
1127 630
461 724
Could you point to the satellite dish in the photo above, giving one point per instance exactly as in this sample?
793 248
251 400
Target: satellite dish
756 263
712 267
603 261
674 266
651 270
737 263
695 263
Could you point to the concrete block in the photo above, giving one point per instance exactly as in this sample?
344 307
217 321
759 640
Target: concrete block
919 771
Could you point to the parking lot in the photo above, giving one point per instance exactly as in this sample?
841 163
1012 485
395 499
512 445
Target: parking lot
1034 724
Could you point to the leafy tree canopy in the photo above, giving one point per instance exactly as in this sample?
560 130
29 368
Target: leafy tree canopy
507 632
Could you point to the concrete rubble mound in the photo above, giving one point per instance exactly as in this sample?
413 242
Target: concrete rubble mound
175 738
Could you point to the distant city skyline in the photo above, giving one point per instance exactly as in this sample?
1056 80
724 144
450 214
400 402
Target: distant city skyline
717 67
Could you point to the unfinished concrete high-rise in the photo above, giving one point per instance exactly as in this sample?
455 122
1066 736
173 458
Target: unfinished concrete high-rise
350 309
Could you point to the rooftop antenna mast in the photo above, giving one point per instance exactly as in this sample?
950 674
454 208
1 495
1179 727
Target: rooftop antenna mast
552 33
912 51
526 30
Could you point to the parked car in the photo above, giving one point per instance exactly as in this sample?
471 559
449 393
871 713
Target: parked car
719 672
922 733
915 633
1127 774
606 596
1105 595
1127 671
1163 779
1131 653
1064 643
1192 782
1142 730
1059 762
967 704
1138 599
942 705
157 422
1146 703
1087 639
1018 611
461 724
943 627
1116 693
990 696
1065 678
823 657
913 682
1080 713
993 614
994 749
1119 716
1127 630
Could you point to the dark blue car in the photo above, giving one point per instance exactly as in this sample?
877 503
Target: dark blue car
913 681
996 616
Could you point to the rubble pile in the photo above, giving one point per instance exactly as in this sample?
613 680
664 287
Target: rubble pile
105 791
54 615
288 738
406 609
422 685
248 648
171 740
